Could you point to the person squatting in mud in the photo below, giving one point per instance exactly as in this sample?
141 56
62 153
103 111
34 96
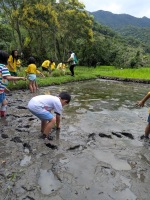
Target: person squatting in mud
42 106
4 78
141 104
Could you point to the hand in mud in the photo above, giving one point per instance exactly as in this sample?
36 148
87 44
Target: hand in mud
140 103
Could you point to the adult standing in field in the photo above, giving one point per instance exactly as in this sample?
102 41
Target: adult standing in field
12 64
72 60
4 78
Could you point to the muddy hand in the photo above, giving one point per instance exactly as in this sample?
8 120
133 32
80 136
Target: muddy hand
139 104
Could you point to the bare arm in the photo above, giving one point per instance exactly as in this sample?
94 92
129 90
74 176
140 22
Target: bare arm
70 59
17 78
42 74
142 102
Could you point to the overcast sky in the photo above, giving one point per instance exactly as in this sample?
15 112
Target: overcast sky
136 8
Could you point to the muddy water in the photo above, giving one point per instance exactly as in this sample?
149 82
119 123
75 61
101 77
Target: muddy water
97 154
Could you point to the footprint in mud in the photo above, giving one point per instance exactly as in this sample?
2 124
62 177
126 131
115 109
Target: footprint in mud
4 136
16 139
129 135
74 147
24 126
31 119
28 198
27 147
51 146
104 135
116 134
91 136
21 130
22 107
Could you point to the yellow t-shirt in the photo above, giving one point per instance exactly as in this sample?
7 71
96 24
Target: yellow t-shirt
18 63
32 69
14 64
53 66
46 64
61 66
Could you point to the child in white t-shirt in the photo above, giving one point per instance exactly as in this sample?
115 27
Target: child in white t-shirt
42 105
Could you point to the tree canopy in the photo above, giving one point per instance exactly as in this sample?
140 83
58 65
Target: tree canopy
49 29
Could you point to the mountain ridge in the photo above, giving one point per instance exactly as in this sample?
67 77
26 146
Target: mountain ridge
117 21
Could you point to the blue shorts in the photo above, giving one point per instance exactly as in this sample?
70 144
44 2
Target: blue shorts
2 97
46 115
32 77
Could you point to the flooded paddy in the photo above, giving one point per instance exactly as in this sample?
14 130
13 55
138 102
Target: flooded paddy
97 154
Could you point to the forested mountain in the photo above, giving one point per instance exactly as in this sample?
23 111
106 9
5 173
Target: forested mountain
117 21
126 25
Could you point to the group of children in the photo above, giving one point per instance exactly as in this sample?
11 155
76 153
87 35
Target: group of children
41 105
14 63
49 65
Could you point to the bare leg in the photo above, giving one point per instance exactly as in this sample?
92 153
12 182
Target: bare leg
43 125
147 130
34 86
49 126
3 108
30 86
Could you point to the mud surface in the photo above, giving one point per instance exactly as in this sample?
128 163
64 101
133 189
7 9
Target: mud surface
97 154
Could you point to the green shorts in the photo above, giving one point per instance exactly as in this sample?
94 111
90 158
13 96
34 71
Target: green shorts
13 73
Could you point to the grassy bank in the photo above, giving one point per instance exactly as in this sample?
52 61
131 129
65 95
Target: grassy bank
84 73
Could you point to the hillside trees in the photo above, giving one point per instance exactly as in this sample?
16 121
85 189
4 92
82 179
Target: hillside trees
47 29
5 36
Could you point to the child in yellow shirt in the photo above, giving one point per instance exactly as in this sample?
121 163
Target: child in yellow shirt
62 67
52 65
18 64
32 72
12 63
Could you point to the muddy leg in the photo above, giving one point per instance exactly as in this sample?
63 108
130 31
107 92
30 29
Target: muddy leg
49 126
3 108
43 125
147 130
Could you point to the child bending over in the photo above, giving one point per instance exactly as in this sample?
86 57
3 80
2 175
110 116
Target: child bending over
42 106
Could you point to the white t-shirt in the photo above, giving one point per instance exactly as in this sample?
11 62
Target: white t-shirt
72 56
41 103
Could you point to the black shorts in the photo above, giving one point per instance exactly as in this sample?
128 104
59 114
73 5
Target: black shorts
45 69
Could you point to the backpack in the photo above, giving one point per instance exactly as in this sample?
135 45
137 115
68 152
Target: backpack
75 59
